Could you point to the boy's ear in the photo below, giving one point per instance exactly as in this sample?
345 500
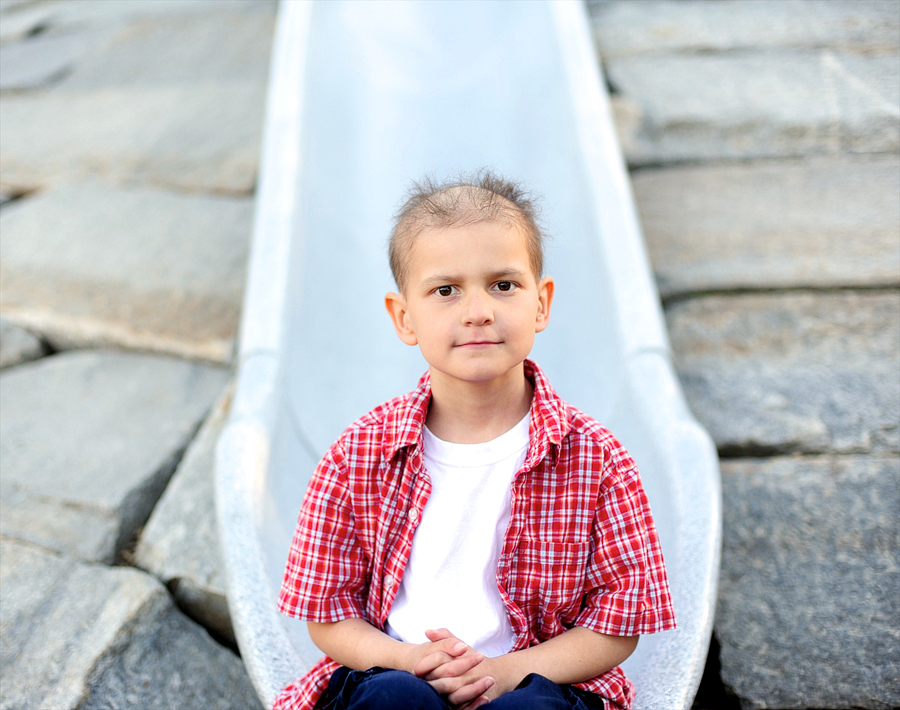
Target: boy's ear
545 300
396 308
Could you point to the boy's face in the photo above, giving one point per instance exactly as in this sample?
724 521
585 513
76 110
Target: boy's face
471 302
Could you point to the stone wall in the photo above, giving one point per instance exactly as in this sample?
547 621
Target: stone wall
763 144
128 156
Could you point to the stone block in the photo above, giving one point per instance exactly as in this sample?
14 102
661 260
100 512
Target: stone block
809 610
19 23
792 372
817 223
92 265
758 104
39 61
180 544
90 12
627 28
17 345
88 441
83 636
13 5
170 93
202 136
180 48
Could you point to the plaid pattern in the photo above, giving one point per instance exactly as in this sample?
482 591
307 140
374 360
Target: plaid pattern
580 549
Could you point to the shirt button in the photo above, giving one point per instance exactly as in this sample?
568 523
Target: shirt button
413 514
388 581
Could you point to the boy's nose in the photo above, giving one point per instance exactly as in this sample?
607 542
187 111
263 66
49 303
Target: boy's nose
478 309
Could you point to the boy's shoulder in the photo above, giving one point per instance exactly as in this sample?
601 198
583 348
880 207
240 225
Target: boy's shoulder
578 434
586 433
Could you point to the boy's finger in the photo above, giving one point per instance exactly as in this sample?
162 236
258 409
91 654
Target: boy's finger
471 691
453 647
427 664
437 634
455 667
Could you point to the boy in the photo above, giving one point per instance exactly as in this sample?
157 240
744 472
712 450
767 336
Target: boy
477 540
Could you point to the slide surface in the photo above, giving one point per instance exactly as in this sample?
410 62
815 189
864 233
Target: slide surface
364 98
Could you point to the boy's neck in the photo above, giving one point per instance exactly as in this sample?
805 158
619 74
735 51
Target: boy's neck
472 413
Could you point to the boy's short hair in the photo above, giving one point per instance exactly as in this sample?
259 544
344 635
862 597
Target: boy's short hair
482 197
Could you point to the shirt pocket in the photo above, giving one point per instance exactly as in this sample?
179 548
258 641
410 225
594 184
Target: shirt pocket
548 582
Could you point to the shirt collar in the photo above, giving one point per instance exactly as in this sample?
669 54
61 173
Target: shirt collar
549 423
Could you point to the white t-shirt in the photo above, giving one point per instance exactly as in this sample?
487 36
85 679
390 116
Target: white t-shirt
450 579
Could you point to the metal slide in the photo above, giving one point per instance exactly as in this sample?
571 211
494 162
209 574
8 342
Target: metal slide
364 97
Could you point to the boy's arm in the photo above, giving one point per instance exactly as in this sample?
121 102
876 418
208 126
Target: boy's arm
572 657
357 644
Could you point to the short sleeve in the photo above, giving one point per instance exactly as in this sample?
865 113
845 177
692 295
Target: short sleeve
626 587
325 575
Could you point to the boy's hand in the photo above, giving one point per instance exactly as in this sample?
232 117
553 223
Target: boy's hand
444 655
465 684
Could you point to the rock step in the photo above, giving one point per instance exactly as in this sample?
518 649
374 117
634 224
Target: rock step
178 49
808 613
88 441
820 222
85 636
625 28
756 105
143 92
180 543
73 15
39 61
792 372
17 345
92 265
204 137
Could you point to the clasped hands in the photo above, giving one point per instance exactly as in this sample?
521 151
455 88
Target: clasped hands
465 677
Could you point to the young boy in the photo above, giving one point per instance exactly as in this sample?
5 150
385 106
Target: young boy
476 540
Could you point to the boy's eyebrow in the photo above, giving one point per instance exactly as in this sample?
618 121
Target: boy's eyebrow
440 279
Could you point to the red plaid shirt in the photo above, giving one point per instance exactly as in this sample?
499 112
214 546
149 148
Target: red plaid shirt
580 549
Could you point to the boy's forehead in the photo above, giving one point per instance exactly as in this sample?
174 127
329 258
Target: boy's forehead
487 233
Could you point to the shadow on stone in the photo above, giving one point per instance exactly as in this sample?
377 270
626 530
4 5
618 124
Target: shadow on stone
180 543
713 694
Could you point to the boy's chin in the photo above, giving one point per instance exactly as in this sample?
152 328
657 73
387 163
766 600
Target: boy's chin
479 373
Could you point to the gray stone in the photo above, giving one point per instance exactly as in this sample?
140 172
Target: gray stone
625 28
86 636
17 345
199 137
91 265
15 5
23 22
821 222
758 104
91 12
39 61
170 94
181 49
777 373
809 610
180 544
10 193
88 441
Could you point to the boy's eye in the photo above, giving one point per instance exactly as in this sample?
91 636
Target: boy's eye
445 291
505 286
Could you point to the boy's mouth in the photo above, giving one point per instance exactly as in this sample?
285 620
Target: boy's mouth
475 344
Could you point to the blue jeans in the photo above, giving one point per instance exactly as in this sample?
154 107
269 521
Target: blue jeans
381 689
